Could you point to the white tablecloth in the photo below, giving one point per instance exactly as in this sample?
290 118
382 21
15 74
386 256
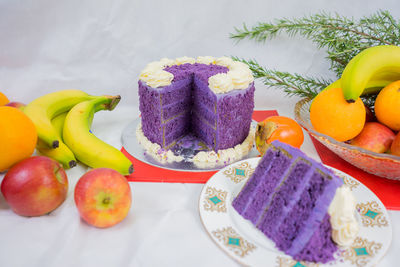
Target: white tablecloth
101 46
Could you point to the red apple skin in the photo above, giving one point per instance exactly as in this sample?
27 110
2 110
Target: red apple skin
103 197
35 186
369 115
395 148
375 137
14 104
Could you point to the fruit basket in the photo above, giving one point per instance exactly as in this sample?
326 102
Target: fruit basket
383 165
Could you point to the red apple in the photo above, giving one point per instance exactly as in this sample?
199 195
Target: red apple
35 186
18 105
369 115
375 137
103 197
395 148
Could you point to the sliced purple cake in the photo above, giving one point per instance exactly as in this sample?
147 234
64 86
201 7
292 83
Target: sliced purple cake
288 197
212 98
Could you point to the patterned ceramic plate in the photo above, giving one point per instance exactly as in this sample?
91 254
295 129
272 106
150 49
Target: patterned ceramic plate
247 245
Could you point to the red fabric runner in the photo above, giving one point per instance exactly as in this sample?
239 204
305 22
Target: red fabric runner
387 190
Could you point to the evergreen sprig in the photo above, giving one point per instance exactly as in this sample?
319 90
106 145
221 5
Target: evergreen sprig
292 84
342 37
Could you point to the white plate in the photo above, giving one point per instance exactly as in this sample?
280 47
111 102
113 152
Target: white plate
242 241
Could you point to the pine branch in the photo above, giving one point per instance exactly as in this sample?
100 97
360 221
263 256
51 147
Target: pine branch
292 84
342 37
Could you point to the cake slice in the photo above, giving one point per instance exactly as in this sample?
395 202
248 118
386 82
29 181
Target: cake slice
287 198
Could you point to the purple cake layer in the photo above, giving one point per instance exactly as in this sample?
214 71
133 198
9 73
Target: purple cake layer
291 208
320 248
234 117
220 120
241 201
263 193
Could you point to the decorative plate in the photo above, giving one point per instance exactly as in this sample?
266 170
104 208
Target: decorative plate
247 245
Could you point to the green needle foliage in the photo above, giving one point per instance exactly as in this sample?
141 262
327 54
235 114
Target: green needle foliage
342 37
292 84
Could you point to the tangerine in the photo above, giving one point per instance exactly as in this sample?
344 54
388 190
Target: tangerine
387 106
3 99
18 137
332 115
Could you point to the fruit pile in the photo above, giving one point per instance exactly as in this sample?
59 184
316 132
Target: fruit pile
339 112
58 126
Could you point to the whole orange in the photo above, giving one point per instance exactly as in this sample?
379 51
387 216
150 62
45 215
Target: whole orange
387 106
3 99
332 115
18 137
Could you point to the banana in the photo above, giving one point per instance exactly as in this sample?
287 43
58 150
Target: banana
380 63
87 148
43 109
62 153
374 85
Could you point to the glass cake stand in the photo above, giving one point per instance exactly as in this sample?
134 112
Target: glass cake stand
135 149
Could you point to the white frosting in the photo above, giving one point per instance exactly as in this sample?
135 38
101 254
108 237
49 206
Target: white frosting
157 78
224 61
155 150
184 60
167 62
202 159
205 60
220 83
225 156
343 220
241 78
239 75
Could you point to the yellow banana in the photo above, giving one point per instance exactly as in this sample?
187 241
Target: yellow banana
43 109
380 63
62 153
87 148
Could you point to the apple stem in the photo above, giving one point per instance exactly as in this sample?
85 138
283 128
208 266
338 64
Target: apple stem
106 201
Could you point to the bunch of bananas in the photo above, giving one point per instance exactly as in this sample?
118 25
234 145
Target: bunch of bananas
369 71
63 120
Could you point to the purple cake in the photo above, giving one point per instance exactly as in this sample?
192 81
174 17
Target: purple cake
187 105
287 198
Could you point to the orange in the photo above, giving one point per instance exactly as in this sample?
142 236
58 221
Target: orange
18 137
332 115
3 99
387 106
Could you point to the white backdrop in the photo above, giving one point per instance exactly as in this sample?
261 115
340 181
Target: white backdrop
100 46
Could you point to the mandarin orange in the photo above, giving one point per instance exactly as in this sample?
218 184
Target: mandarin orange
332 115
387 106
18 137
3 99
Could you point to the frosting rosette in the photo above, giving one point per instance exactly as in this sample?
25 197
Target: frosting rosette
238 77
343 221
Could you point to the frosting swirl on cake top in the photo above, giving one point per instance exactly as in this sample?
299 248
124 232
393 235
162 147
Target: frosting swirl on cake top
239 75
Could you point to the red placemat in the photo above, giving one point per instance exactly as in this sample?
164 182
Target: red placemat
147 173
388 191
